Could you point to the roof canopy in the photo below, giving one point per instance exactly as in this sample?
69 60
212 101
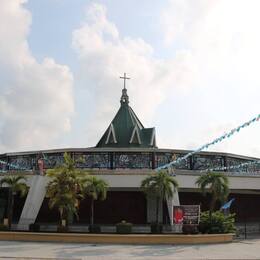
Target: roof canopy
126 130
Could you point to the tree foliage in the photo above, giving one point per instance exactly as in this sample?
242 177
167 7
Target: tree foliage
161 186
217 223
65 187
216 184
17 185
96 189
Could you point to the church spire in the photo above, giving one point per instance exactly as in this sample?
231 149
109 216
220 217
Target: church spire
126 130
124 98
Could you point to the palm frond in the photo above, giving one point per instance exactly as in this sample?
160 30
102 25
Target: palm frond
215 183
160 184
64 190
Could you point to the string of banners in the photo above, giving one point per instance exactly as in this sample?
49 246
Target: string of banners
206 146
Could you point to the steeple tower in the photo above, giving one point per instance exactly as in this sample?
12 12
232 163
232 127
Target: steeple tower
124 98
126 130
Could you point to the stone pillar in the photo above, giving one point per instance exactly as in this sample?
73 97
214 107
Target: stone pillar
33 202
173 202
151 210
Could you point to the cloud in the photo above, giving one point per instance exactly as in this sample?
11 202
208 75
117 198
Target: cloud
213 71
221 35
223 39
104 55
36 98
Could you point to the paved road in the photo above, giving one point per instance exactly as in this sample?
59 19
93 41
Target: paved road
243 249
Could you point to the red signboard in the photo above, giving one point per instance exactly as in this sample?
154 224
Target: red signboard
186 214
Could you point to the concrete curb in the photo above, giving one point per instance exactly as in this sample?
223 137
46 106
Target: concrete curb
137 239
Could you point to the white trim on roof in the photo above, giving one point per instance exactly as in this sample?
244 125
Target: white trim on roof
153 142
111 131
135 133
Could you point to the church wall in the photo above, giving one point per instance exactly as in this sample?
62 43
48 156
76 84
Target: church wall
151 211
187 179
18 205
126 181
3 203
132 206
119 205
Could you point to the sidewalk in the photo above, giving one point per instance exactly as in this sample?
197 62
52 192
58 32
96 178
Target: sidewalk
240 249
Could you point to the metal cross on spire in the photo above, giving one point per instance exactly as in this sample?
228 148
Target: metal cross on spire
125 78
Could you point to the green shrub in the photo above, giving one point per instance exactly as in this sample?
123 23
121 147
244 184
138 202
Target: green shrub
94 229
156 228
3 227
62 229
217 224
124 227
190 229
34 227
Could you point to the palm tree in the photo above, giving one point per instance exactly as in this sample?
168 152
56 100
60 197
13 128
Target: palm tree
16 185
96 189
162 186
216 184
64 188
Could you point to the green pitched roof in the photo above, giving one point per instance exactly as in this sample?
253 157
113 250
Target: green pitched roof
126 130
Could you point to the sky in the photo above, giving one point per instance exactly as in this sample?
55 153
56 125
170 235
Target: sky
194 69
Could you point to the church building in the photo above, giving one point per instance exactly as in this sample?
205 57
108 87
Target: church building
127 153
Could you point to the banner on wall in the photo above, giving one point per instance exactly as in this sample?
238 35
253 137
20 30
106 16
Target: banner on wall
41 166
186 214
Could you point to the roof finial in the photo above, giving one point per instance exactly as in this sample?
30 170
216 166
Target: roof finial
125 78
124 97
